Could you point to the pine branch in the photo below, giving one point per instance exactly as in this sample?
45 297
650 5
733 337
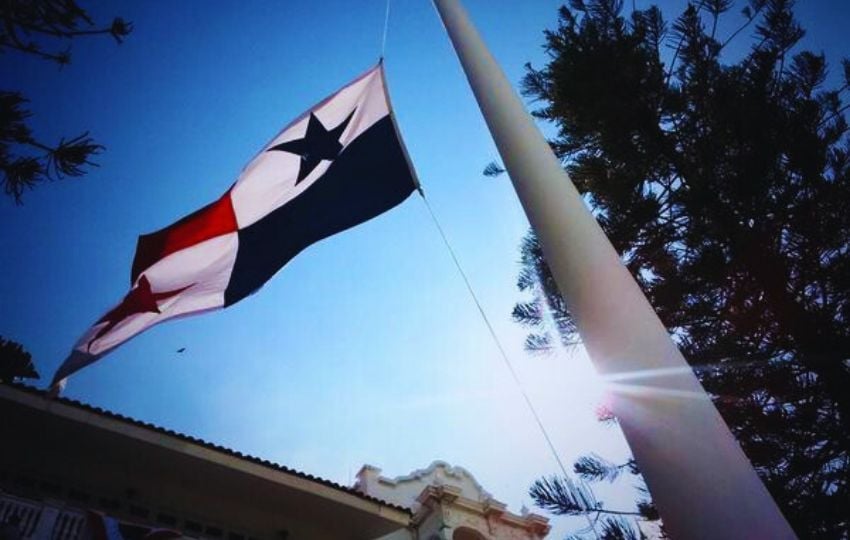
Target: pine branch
21 174
119 29
563 496
493 169
70 157
678 49
63 58
67 159
45 20
538 343
836 114
594 468
751 14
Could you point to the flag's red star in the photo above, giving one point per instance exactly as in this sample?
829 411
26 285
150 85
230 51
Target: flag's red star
139 300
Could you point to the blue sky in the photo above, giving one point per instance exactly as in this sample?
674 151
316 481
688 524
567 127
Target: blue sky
364 349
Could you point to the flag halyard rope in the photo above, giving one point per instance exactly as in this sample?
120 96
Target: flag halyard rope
502 353
386 27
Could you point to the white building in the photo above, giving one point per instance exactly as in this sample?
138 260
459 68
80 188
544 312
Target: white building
63 462
448 503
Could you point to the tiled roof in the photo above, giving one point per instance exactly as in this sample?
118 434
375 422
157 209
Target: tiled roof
182 436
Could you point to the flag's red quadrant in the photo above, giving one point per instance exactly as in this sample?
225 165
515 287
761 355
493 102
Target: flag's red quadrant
210 221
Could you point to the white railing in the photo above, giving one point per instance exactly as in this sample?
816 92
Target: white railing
67 525
26 514
41 521
48 520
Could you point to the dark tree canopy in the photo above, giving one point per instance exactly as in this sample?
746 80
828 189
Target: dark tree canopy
42 29
15 362
725 184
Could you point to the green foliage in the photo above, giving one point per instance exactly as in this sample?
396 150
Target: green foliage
565 496
493 169
42 29
618 529
594 468
724 183
15 362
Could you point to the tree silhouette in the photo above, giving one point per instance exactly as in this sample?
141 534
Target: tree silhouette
15 362
724 183
575 497
43 29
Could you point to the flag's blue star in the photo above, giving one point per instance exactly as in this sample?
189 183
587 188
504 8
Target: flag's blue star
318 144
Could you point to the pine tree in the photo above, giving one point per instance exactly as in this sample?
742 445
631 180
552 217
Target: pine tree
15 363
576 497
724 183
42 29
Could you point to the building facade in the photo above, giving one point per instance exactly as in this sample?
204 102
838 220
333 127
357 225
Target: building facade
67 468
447 503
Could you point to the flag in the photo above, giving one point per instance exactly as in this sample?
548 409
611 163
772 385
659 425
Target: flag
337 165
103 527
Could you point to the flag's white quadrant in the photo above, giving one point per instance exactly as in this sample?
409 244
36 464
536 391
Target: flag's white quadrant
187 281
275 177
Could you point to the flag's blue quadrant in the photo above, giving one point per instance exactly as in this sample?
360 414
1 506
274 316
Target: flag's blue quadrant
369 177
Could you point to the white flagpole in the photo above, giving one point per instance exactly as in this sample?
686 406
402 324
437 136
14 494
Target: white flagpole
702 483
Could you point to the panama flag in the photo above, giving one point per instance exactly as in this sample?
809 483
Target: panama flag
337 165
